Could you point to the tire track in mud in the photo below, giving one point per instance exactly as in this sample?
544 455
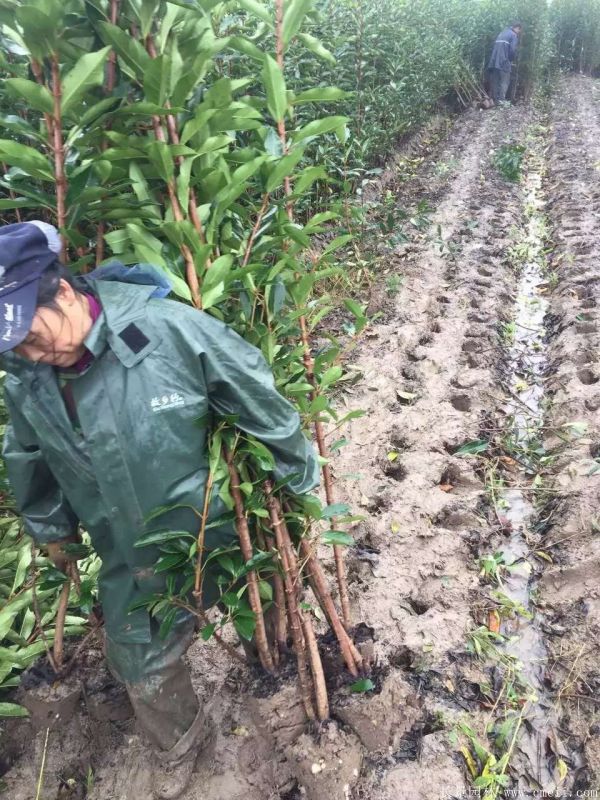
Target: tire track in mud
570 592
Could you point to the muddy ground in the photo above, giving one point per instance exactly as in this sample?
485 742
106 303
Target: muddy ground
433 375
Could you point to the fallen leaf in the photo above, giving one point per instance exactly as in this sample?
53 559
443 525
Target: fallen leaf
392 455
241 730
494 622
395 527
470 761
446 487
562 769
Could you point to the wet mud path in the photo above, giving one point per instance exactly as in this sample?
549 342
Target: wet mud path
481 387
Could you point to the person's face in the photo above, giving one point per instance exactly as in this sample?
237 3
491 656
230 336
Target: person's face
518 30
56 335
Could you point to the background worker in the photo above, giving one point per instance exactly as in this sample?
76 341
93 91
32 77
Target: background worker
106 382
501 61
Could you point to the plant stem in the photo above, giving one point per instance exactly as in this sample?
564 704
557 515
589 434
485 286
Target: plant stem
321 591
201 535
285 548
59 156
281 122
259 217
190 266
36 611
111 70
59 626
109 85
338 552
266 543
201 613
174 137
38 74
260 633
316 667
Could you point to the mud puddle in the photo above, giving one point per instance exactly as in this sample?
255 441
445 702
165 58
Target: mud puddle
537 722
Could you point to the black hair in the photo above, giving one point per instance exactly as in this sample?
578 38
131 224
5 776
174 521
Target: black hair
517 25
49 284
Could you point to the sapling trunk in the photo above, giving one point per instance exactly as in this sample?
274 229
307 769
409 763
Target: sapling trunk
316 667
38 74
174 137
338 552
266 545
190 267
109 85
59 156
314 657
243 531
201 536
59 628
321 591
36 612
296 631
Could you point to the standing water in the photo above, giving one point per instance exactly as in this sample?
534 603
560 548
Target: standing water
537 747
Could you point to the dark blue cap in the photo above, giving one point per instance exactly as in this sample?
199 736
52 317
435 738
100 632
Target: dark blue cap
26 250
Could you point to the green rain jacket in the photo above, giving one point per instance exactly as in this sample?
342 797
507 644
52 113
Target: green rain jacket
159 367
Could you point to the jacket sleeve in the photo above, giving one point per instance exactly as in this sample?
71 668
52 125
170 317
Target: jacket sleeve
240 382
46 513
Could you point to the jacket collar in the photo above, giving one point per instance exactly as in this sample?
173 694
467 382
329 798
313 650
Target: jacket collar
122 326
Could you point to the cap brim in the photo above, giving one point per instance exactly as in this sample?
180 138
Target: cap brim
17 310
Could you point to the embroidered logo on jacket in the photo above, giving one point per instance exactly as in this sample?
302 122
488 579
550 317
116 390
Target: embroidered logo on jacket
166 401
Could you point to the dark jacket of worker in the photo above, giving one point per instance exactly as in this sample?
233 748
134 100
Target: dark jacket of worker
505 51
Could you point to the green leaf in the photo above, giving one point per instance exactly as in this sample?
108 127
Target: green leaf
315 46
472 448
318 127
274 84
37 96
207 631
12 710
159 154
159 537
246 47
40 30
167 623
258 10
284 168
335 510
293 16
265 590
324 94
26 158
87 72
340 538
134 58
245 625
331 375
362 686
157 80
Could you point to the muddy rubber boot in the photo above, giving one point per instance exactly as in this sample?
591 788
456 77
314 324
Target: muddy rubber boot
173 769
171 779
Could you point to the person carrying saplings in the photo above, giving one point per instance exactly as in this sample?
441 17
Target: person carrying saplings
106 381
501 61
